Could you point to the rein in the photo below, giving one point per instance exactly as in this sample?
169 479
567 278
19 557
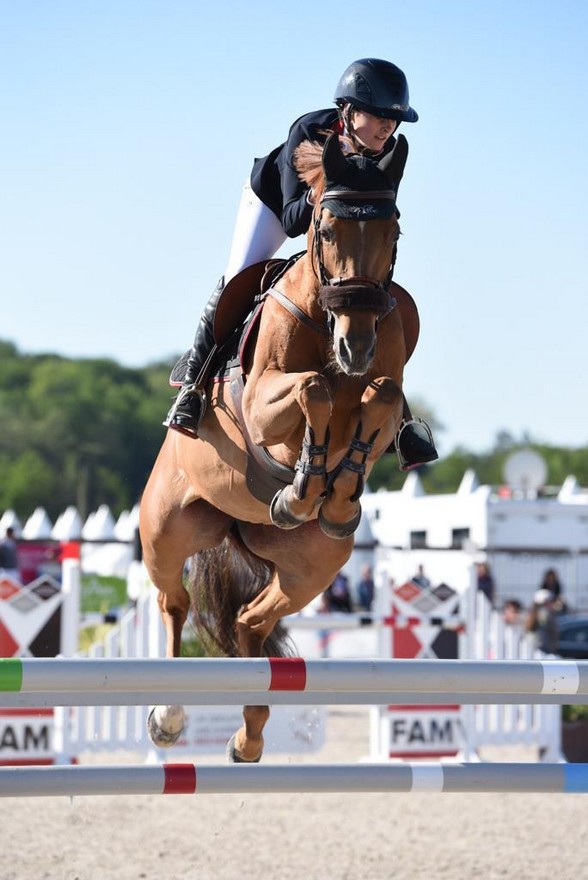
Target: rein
298 313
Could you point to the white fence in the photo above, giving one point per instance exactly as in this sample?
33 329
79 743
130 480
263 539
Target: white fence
490 638
481 635
140 633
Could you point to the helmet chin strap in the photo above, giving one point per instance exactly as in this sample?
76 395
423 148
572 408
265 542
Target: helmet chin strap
346 112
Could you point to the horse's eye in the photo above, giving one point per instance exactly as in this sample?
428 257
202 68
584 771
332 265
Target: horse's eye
327 233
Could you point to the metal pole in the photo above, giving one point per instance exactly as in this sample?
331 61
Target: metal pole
191 779
533 678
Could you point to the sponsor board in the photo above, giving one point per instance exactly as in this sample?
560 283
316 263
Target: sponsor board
425 731
26 736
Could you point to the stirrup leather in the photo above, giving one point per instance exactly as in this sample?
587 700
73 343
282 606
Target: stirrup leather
183 394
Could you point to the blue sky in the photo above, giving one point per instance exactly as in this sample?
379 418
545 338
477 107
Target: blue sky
129 128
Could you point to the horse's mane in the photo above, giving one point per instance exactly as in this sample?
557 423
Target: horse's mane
308 162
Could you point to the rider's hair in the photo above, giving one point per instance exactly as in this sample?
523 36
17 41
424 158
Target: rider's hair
346 110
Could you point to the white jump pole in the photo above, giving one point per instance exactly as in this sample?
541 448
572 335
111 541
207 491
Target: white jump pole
274 698
242 778
204 675
294 681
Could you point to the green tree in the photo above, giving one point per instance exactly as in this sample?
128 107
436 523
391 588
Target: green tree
82 432
25 479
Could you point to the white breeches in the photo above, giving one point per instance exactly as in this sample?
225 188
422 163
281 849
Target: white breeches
257 236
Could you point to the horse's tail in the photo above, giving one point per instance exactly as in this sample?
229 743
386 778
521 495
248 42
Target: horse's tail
221 580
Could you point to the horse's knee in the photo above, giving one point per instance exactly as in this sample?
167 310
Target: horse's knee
383 391
382 405
314 395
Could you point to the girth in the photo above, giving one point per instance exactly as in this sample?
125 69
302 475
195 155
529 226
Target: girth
265 476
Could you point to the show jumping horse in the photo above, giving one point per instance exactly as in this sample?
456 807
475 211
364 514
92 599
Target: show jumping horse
316 400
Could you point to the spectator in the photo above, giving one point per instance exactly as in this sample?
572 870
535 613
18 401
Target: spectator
9 555
542 621
366 589
486 581
421 579
552 583
337 597
512 612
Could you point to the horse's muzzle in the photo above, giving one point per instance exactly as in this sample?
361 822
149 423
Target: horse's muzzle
353 360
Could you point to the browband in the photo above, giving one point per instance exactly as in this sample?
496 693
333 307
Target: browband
365 195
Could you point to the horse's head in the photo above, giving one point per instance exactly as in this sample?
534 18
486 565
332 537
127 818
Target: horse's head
353 243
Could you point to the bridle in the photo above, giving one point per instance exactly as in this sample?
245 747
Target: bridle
361 292
357 292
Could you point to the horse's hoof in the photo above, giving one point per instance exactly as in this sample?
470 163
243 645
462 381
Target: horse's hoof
281 515
339 530
165 725
233 757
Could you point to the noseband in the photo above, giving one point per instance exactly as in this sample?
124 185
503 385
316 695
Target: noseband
357 295
332 297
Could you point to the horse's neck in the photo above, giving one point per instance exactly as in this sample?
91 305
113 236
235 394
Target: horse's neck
292 330
301 286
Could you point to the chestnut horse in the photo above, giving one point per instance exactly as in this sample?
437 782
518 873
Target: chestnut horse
321 402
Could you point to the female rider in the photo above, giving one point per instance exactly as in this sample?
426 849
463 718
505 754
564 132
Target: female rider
371 101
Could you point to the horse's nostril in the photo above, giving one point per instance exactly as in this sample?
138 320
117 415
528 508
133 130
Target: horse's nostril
353 359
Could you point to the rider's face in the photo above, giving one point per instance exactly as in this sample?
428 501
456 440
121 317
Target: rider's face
372 131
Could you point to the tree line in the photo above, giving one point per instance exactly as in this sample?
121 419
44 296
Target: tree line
82 432
86 432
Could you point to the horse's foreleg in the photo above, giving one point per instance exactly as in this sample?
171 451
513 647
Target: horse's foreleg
380 415
282 404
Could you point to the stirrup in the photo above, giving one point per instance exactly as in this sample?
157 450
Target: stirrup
424 449
184 393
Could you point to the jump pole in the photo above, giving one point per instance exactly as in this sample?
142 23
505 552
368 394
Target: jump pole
303 778
205 681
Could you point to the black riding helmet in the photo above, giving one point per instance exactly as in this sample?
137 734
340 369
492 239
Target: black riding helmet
378 87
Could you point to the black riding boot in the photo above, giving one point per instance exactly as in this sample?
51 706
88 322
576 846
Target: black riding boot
414 442
190 405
